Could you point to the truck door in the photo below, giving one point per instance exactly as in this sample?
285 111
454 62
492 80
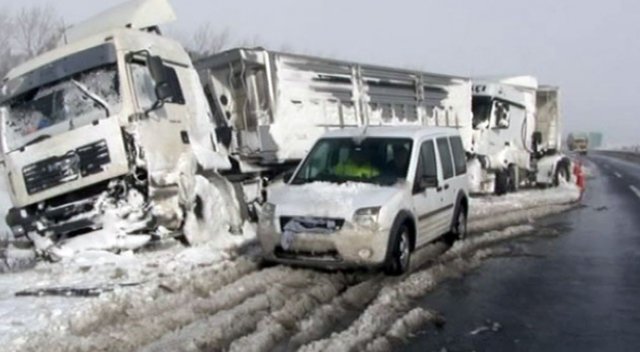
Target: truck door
163 131
426 201
447 188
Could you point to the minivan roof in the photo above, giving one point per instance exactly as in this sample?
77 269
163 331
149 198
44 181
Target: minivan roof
413 132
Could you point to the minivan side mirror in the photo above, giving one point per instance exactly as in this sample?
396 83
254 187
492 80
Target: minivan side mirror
426 182
286 177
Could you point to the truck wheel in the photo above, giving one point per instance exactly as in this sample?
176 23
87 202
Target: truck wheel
562 174
400 258
501 182
513 178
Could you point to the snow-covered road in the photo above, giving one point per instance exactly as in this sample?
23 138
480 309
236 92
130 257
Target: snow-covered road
204 298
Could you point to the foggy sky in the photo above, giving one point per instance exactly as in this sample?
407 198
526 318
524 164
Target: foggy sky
591 49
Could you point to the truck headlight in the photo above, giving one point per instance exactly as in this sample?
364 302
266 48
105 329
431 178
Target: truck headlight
367 217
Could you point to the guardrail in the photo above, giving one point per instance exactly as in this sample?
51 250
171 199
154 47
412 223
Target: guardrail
626 155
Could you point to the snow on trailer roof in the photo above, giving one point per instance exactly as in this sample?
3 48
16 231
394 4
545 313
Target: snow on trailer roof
413 132
250 54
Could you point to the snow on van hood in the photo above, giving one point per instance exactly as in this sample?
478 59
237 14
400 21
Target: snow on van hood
323 199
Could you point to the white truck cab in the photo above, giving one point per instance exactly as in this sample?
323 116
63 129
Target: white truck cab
368 197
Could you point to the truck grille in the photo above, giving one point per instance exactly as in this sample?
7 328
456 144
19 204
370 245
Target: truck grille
54 171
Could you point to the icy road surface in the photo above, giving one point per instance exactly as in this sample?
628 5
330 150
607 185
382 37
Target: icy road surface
577 291
204 298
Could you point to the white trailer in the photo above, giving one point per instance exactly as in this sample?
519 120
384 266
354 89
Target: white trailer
270 107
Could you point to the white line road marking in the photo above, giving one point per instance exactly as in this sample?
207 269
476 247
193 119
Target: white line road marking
635 190
617 174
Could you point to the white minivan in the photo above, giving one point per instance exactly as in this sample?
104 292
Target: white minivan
368 197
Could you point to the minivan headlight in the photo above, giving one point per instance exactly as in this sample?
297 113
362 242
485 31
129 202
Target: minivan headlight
367 217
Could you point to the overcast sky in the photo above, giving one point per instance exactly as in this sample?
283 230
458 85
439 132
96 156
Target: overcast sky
591 49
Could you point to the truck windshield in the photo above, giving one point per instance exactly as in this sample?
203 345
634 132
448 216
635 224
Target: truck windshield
61 95
481 112
61 106
383 161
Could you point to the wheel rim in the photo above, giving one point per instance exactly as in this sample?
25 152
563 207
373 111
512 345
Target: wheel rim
404 250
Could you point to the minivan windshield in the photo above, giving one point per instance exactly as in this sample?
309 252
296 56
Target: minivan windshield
383 161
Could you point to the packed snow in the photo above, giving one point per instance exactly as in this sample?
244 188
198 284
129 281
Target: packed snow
215 295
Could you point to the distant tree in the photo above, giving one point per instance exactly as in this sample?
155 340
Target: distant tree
37 29
6 57
205 41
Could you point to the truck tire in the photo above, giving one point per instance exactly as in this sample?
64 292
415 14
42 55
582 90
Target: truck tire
562 173
400 258
501 182
513 178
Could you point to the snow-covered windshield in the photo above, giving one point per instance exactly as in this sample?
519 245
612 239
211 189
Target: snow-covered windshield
62 105
383 161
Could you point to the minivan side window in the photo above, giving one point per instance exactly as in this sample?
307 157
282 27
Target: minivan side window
459 157
428 158
445 157
427 165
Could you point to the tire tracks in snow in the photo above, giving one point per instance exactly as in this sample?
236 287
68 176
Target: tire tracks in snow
237 306
395 301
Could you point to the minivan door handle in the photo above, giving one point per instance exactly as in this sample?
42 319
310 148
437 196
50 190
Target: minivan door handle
446 186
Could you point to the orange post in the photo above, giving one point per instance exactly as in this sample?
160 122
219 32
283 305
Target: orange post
580 177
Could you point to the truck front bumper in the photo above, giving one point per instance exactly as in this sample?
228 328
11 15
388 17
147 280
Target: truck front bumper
60 216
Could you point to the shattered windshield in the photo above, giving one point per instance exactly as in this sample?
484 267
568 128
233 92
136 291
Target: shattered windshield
383 161
481 112
62 105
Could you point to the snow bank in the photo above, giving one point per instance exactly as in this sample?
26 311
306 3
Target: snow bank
520 207
185 273
208 297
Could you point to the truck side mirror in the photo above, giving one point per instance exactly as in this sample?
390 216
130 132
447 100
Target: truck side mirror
537 138
167 84
157 69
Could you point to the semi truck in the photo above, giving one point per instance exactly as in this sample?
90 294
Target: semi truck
578 143
516 135
119 121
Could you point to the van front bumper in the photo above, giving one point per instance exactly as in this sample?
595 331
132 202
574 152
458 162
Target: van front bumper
349 247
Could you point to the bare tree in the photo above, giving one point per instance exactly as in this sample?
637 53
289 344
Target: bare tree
37 29
5 42
206 40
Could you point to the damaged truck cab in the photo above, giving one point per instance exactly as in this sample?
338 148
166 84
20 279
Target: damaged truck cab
117 117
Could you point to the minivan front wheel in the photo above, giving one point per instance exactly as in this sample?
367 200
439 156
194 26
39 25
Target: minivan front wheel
400 257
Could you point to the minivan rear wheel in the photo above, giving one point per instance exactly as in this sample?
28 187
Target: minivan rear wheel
400 257
460 226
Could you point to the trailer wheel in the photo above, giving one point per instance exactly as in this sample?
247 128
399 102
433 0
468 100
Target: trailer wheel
501 182
513 178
